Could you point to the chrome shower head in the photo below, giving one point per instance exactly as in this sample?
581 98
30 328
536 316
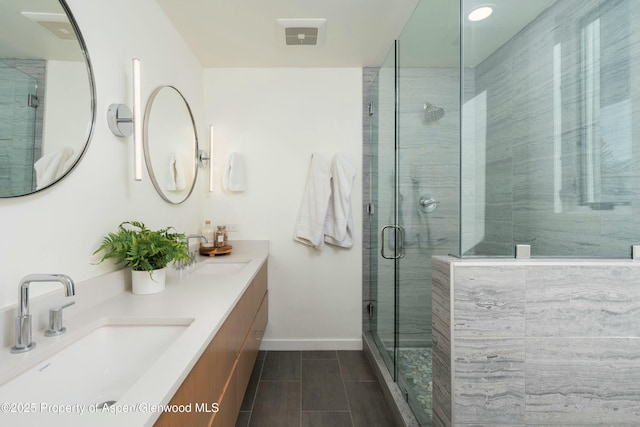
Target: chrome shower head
432 113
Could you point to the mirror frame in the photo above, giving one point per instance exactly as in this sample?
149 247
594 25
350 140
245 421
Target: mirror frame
92 91
147 154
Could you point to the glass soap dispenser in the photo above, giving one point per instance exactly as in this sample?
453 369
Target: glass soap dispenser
209 233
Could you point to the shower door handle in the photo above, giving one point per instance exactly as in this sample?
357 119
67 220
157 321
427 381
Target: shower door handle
399 241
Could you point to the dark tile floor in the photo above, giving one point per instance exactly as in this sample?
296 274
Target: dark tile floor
313 389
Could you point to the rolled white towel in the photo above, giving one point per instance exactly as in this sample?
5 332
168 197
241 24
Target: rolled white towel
52 166
175 178
233 176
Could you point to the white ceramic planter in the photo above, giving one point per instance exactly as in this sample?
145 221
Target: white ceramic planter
143 284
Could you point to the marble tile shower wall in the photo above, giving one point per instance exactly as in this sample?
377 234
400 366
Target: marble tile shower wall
428 168
21 127
369 186
531 343
523 201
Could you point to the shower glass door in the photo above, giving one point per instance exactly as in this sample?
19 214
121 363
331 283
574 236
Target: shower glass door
414 164
382 112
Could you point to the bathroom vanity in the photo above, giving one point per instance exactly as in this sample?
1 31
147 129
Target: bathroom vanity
179 357
215 387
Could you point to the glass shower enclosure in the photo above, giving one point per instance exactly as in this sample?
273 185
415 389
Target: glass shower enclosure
519 129
17 130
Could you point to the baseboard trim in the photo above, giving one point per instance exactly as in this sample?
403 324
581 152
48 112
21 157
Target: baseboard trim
311 344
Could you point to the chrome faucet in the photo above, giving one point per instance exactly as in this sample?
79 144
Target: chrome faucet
192 254
23 320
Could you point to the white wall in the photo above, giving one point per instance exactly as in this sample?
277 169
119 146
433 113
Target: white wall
276 118
56 231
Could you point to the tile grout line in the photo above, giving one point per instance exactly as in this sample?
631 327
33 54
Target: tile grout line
253 401
344 386
300 418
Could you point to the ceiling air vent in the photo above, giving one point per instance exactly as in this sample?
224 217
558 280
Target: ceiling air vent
301 36
57 23
301 32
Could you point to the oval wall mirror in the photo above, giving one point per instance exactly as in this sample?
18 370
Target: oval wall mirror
47 95
170 144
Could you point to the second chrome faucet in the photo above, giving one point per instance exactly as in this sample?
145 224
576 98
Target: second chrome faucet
192 254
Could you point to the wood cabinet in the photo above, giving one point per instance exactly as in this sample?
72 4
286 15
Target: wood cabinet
214 389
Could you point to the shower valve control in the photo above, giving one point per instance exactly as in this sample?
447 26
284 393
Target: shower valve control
428 204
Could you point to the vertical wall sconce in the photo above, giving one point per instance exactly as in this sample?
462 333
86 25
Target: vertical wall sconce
123 123
137 121
203 157
211 159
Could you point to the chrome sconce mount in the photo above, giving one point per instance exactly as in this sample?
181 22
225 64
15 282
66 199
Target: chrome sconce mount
203 158
123 122
120 119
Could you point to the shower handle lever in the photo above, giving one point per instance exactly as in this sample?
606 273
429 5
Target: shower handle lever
399 240
427 204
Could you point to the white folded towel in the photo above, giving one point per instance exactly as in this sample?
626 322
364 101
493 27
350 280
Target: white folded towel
338 226
52 166
309 227
233 176
175 178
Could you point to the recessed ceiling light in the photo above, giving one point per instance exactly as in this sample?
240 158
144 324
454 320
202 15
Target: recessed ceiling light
480 13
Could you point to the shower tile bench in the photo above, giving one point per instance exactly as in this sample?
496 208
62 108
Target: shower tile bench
536 342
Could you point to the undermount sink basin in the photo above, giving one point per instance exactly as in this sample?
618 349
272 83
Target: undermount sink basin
97 368
220 268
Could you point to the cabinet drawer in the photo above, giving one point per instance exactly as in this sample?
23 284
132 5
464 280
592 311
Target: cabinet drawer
229 405
249 352
248 305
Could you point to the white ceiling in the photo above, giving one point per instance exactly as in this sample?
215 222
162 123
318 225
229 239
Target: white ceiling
244 33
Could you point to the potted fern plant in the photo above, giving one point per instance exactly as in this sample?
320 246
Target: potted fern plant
146 251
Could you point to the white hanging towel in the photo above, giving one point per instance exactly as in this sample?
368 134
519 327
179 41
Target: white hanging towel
52 166
233 176
309 228
338 227
175 177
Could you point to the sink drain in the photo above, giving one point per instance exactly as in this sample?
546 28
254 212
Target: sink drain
106 404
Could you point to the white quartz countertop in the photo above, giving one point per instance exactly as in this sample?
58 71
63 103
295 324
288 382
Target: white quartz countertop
204 300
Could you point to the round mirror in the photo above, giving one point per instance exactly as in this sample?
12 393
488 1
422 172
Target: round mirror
47 95
170 144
